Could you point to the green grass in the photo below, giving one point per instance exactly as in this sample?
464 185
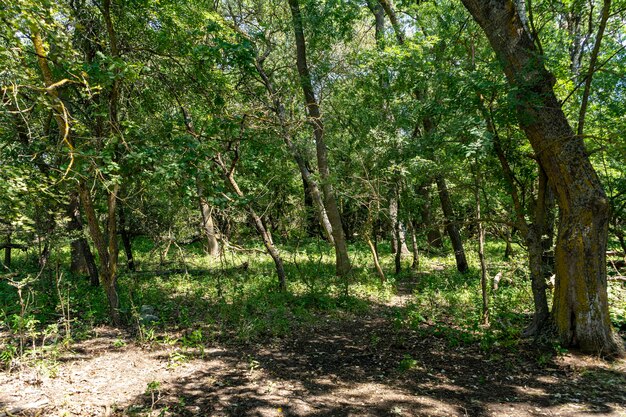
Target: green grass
236 305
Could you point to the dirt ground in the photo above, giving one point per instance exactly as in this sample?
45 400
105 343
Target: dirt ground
341 365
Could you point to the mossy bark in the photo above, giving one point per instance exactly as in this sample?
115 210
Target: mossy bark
580 308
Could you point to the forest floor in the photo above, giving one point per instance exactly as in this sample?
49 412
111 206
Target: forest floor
340 364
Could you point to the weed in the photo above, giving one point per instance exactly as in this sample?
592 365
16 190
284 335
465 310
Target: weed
176 358
119 343
407 363
154 391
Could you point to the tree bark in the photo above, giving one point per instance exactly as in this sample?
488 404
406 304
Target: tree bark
481 249
534 241
451 228
379 17
311 222
7 252
82 260
535 233
388 7
106 246
580 303
257 221
311 185
126 240
379 269
341 250
107 253
416 253
604 17
433 235
396 231
211 243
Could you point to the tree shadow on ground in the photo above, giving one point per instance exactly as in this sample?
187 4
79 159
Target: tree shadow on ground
364 365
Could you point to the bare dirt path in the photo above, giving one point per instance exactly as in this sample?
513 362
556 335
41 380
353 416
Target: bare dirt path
340 365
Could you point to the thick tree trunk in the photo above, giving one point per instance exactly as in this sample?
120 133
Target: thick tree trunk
451 228
341 250
580 303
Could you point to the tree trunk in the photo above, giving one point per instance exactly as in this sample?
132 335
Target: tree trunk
433 235
211 245
538 233
374 252
7 252
396 229
535 264
310 184
311 223
508 251
126 241
258 224
107 251
481 250
341 250
416 253
393 217
580 303
82 260
451 228
379 19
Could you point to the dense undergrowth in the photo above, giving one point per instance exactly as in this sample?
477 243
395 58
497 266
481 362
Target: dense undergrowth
192 300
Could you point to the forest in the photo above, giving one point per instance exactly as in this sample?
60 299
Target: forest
312 208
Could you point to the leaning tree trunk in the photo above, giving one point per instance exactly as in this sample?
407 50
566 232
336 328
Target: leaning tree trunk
451 228
229 178
311 187
330 202
580 309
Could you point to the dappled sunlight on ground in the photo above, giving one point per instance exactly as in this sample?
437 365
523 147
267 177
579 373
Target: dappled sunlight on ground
338 366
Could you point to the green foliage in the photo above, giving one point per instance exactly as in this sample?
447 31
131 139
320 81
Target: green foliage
158 92
407 363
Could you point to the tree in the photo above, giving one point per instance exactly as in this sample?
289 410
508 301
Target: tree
580 303
341 250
